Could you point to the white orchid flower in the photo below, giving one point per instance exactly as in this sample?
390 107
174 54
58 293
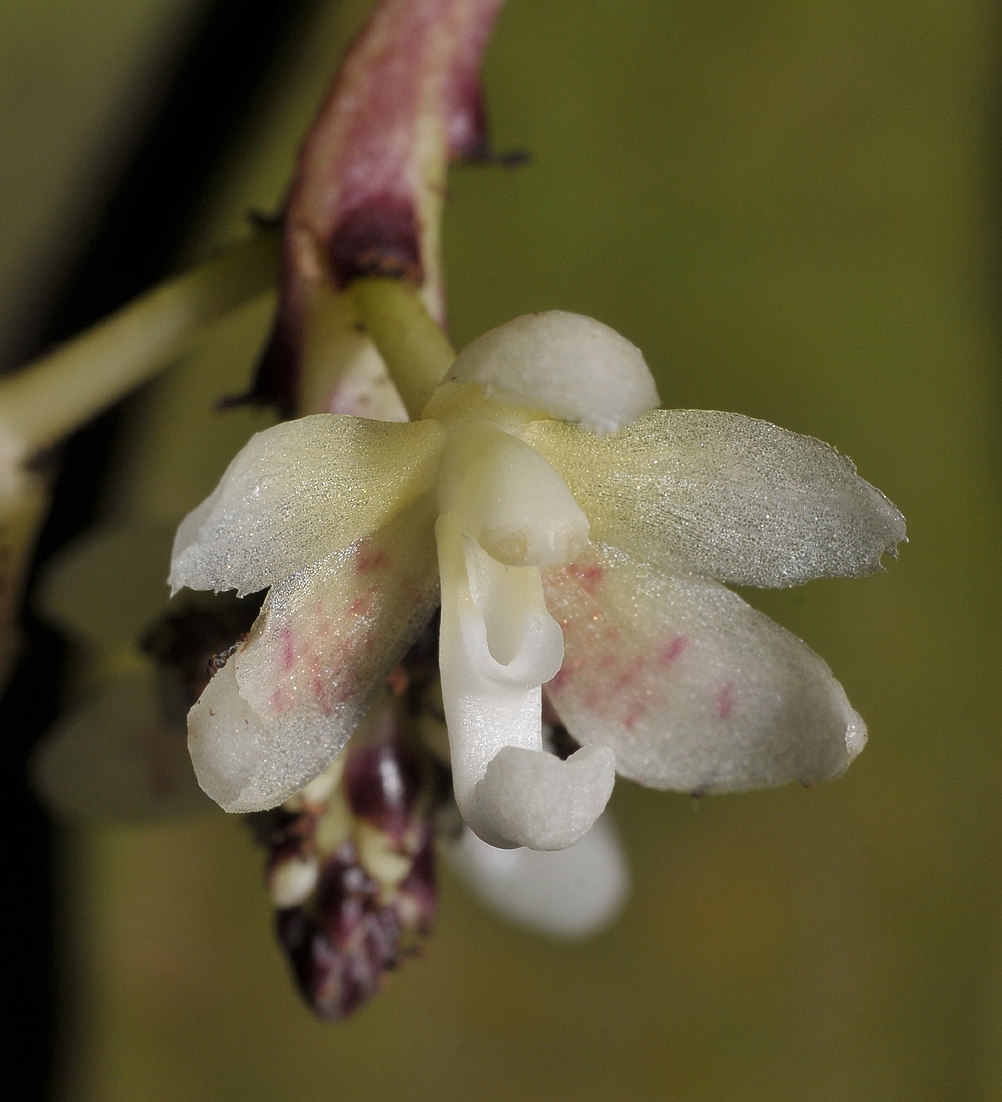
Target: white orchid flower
581 536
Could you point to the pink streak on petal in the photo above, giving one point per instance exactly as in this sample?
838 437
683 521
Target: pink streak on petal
369 558
634 714
725 701
673 649
287 652
588 577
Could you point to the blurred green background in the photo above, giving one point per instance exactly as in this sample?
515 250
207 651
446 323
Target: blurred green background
792 207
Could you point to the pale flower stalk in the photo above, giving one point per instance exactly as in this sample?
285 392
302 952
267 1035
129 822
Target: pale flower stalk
44 401
580 537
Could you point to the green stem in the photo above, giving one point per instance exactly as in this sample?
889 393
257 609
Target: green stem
22 514
50 397
416 352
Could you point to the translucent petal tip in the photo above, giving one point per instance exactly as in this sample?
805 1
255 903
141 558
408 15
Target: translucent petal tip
244 763
855 735
569 894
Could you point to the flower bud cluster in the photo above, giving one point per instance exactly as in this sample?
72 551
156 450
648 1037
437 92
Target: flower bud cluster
351 867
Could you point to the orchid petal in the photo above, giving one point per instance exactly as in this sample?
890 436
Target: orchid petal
498 644
299 492
229 745
573 367
726 496
283 707
571 893
115 758
692 688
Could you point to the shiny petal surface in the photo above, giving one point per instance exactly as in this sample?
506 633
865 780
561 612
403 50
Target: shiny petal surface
299 492
692 688
571 893
726 496
287 702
